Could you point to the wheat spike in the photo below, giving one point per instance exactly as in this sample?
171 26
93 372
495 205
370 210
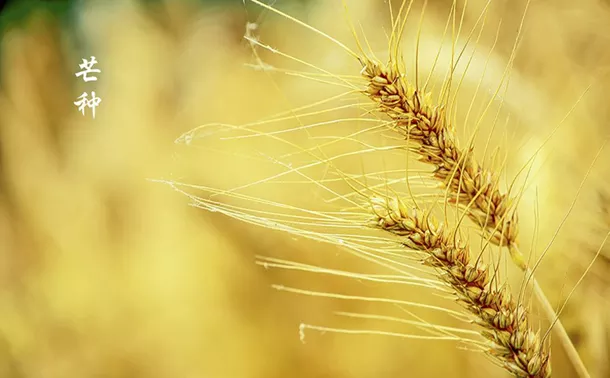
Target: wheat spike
512 341
425 125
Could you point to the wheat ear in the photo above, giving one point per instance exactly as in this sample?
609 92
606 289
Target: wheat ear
426 126
513 343
468 183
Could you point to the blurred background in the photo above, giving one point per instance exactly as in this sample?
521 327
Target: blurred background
104 273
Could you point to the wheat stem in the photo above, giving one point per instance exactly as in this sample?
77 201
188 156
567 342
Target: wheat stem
560 331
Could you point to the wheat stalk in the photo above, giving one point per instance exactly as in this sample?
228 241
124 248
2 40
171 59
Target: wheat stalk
512 341
468 182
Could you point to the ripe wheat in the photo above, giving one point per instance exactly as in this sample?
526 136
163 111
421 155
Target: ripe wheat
511 339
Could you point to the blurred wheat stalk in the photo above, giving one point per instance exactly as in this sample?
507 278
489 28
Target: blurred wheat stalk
107 273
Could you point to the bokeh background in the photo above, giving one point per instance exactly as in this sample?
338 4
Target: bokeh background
104 273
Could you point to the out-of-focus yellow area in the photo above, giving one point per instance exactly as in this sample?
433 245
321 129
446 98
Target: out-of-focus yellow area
105 273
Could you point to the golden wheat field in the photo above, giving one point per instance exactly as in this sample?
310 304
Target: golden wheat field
248 200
